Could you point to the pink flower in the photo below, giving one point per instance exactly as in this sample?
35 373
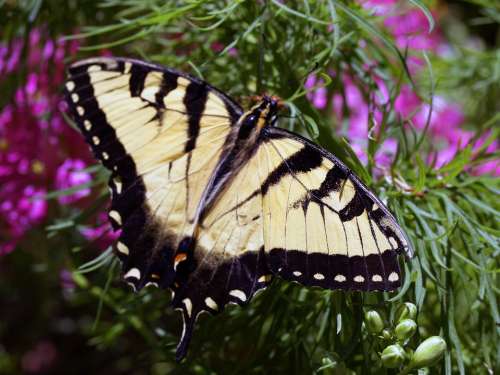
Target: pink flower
70 175
359 150
410 28
102 233
442 157
407 102
490 167
33 141
66 279
219 47
385 154
446 117
317 92
40 358
380 7
320 98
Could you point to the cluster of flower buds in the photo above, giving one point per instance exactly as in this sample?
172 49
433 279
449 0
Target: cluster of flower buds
397 351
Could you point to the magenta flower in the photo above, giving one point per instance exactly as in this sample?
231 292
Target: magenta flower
39 359
407 102
410 28
102 233
69 175
34 141
490 167
385 154
66 280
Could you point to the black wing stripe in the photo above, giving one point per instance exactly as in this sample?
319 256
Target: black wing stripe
194 100
137 78
303 160
168 84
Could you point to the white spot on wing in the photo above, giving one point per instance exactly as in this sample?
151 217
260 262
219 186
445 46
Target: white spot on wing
319 276
122 248
238 294
264 278
211 303
393 276
87 125
70 85
118 185
94 68
359 279
133 273
115 216
189 305
132 285
297 273
75 97
377 278
105 155
80 110
96 140
152 283
340 278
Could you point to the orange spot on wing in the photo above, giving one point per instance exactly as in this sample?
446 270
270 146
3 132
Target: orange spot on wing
179 258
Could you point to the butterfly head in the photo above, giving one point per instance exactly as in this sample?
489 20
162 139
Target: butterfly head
265 112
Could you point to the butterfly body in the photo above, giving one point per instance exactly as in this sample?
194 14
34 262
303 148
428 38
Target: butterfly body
213 202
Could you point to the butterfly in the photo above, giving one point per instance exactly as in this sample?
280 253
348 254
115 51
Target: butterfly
214 202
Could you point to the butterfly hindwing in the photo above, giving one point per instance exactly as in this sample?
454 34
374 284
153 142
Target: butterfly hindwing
322 226
160 133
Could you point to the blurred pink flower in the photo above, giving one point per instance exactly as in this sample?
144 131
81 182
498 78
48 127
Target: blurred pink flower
490 167
360 151
320 98
66 279
34 141
69 175
40 358
407 102
379 7
386 152
102 233
219 47
352 108
445 116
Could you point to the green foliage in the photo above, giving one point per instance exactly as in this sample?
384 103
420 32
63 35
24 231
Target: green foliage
451 216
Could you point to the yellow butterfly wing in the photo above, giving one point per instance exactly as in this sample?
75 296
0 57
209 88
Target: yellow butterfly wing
160 133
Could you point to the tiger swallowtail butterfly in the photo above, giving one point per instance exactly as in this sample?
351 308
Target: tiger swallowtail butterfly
214 202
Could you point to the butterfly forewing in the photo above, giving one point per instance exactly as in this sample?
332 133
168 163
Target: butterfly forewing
160 132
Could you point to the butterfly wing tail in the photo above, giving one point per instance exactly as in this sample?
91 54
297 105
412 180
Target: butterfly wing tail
187 333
